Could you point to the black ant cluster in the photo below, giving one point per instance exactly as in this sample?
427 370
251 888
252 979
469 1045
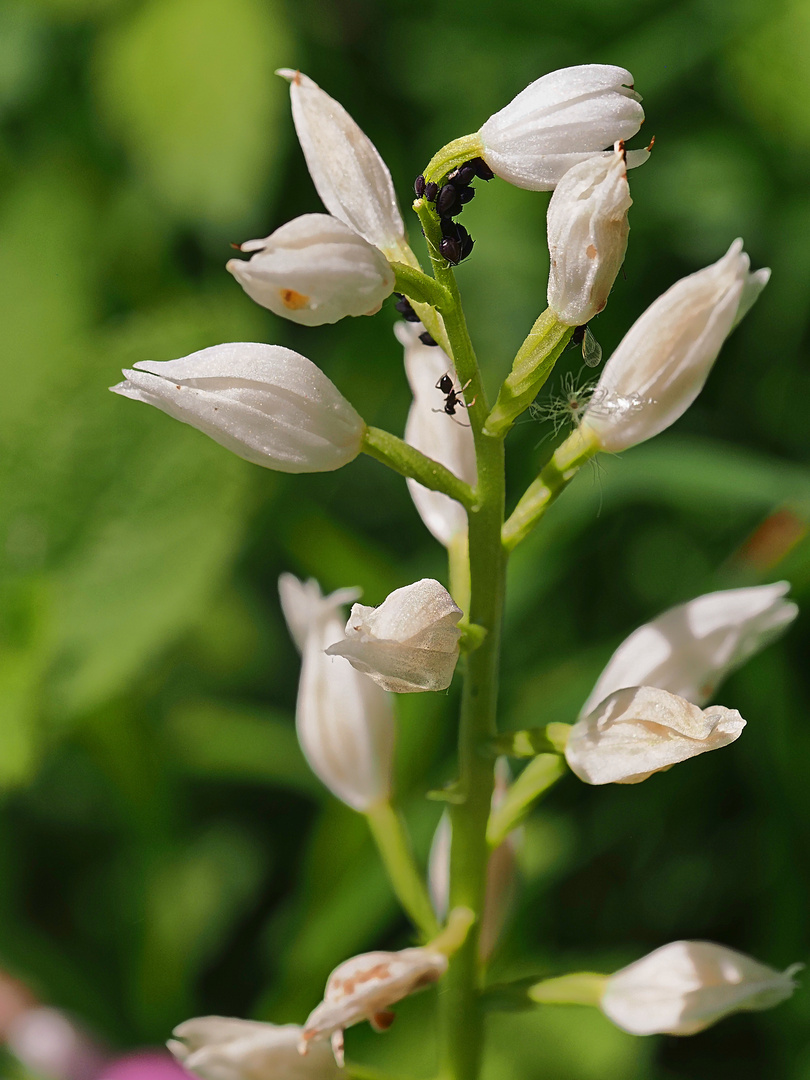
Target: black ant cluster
404 308
449 200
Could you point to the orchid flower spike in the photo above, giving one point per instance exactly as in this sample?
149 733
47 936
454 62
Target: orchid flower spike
642 730
559 120
224 1048
435 436
661 364
587 236
409 643
351 178
314 270
267 404
690 649
365 988
344 722
685 986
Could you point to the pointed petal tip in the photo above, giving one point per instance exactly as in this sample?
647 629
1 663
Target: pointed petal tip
292 75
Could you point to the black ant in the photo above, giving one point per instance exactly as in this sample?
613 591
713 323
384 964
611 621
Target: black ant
452 397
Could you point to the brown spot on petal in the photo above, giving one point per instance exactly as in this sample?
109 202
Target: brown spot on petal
293 300
382 1021
590 251
348 986
427 978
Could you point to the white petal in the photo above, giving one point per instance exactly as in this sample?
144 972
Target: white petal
224 1048
267 404
369 984
409 643
315 270
691 648
348 173
663 361
344 722
432 432
684 987
558 121
641 730
587 236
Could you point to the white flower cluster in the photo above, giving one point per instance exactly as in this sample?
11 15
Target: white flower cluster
275 408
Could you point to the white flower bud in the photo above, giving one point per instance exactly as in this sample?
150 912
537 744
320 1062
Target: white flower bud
344 722
224 1048
559 120
690 649
661 364
435 434
684 987
267 404
501 870
642 730
587 236
351 178
407 644
365 987
314 270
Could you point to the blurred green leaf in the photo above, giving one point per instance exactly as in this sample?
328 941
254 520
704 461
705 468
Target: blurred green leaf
188 87
231 743
192 901
771 74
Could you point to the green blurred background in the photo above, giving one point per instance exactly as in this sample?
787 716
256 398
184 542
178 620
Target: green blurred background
164 849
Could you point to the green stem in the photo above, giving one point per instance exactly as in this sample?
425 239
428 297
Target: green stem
580 988
531 742
390 835
554 478
462 1030
535 780
452 155
407 461
418 286
458 559
531 367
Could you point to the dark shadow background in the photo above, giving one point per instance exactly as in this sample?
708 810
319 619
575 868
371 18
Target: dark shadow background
164 850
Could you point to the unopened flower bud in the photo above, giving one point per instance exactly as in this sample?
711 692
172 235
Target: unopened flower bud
661 364
435 435
344 722
685 986
559 120
365 988
587 236
348 173
314 270
642 730
407 644
224 1048
690 649
267 404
